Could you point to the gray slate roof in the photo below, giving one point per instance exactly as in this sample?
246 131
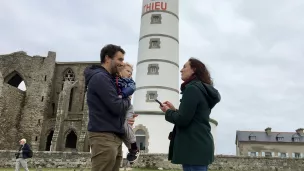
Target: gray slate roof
262 136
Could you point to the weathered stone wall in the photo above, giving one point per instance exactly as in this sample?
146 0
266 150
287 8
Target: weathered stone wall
37 73
10 114
155 161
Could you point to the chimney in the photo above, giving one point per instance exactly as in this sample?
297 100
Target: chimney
268 130
300 131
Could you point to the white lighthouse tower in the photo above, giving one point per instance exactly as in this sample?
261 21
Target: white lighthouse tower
157 75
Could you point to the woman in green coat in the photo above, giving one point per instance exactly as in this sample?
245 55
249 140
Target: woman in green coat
191 142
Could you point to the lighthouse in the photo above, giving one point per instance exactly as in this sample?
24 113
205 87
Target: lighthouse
157 75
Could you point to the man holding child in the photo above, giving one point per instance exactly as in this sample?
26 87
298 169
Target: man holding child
108 104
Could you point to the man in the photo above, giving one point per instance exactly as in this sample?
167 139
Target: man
22 155
106 110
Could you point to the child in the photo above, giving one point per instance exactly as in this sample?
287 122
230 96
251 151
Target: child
126 87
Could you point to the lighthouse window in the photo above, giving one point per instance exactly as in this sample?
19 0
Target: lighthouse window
153 69
156 19
151 95
154 43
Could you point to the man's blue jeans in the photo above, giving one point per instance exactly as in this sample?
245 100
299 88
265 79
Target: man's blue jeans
187 167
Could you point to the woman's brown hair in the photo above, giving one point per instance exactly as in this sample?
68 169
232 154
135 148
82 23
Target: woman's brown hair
200 71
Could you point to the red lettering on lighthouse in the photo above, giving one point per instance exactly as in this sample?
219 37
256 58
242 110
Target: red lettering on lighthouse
164 6
155 6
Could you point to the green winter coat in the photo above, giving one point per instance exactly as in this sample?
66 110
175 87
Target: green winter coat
193 142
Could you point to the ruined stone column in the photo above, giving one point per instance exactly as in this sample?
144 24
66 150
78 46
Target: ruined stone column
1 87
62 110
85 119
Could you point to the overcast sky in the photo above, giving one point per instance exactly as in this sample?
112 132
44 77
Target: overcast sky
254 49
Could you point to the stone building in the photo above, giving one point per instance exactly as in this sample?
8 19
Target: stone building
51 113
270 144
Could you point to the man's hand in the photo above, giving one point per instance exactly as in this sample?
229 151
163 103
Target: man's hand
132 120
170 105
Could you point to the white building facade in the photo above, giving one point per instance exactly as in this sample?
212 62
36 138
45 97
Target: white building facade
157 74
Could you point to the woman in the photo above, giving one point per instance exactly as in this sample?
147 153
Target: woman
191 140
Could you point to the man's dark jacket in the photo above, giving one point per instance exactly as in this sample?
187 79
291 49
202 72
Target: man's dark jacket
26 150
106 110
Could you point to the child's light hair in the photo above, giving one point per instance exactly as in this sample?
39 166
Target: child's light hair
128 64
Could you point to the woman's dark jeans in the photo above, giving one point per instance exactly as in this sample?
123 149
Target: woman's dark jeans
187 167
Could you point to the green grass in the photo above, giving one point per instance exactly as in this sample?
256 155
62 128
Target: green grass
50 169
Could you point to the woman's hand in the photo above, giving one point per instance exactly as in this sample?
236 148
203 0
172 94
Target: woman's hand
164 108
170 105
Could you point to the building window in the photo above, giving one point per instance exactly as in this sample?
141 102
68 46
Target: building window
268 154
151 96
253 154
296 139
283 155
280 138
153 69
297 155
156 19
252 138
154 43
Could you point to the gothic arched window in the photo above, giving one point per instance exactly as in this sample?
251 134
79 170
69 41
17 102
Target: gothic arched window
68 75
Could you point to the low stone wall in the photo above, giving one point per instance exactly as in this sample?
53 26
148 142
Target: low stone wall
46 159
154 161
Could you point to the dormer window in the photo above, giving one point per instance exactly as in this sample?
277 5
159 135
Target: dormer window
252 138
280 138
296 139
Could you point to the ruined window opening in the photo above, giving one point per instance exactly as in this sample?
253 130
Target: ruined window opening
156 19
42 99
71 99
49 141
45 78
71 140
153 69
141 139
39 120
53 108
15 80
36 138
69 75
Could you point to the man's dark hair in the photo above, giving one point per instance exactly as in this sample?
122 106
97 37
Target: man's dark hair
109 50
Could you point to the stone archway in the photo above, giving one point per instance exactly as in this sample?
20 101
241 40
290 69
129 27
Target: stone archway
49 137
142 138
71 139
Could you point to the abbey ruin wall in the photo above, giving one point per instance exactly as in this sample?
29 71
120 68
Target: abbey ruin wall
154 161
